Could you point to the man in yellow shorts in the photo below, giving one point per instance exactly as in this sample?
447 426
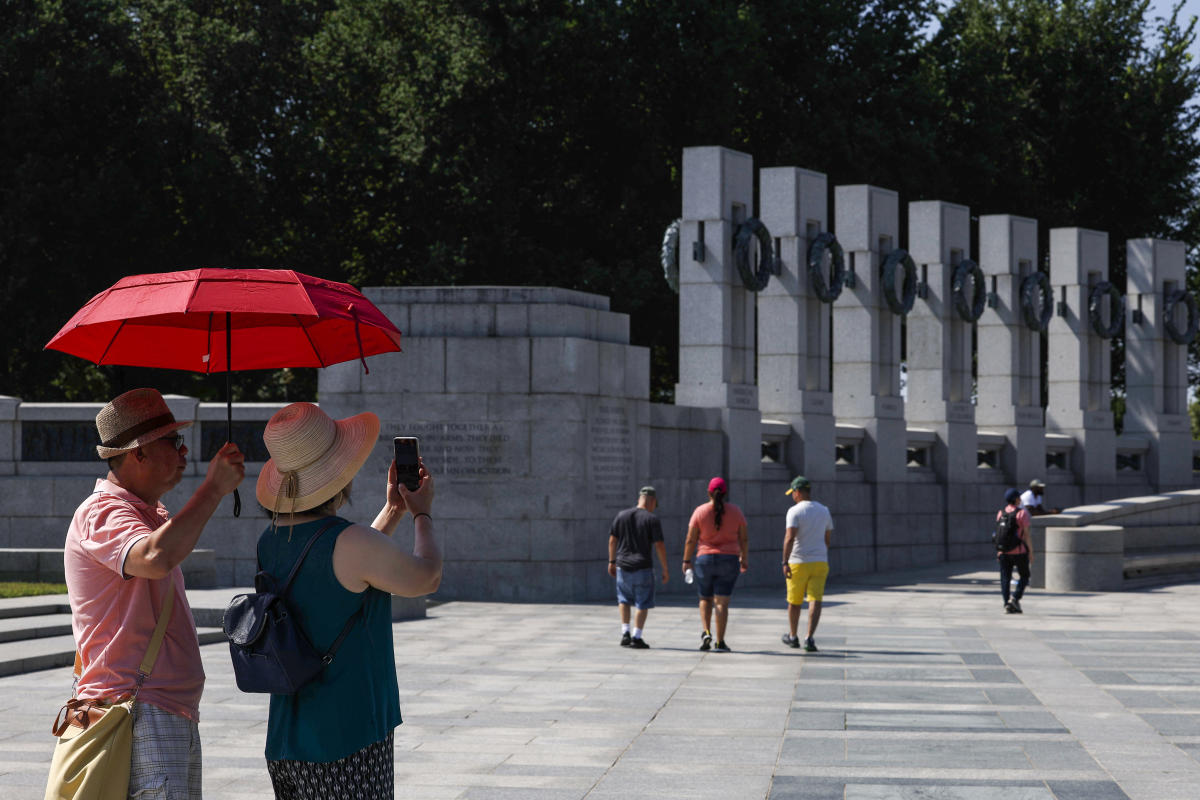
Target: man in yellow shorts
805 559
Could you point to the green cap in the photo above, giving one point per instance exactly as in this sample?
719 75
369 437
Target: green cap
649 491
799 482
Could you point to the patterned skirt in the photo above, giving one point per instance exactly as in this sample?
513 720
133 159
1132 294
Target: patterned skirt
368 774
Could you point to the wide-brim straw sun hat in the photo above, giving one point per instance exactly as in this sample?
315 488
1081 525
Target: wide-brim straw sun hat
313 456
132 420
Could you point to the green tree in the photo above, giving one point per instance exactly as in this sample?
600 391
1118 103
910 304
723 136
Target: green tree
538 141
1073 112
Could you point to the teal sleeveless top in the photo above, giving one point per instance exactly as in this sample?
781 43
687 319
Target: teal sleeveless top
355 701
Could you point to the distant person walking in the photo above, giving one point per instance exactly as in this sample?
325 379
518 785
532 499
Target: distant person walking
1013 549
717 533
805 559
633 534
1033 499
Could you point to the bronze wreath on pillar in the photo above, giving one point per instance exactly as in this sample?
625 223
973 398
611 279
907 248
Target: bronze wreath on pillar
1116 316
826 242
743 239
1036 319
668 255
973 310
1188 334
903 303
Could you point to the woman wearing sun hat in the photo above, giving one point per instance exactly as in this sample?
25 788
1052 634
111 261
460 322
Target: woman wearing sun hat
336 733
718 530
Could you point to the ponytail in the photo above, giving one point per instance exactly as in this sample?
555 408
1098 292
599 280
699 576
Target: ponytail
718 499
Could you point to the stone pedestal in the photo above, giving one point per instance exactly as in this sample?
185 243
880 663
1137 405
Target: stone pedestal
1009 375
866 377
716 312
939 340
794 325
1080 403
1155 365
1085 559
10 435
531 409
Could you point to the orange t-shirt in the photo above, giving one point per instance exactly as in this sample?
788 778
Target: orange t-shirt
113 617
712 540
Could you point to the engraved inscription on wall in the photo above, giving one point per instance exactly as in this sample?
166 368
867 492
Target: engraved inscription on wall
475 449
610 453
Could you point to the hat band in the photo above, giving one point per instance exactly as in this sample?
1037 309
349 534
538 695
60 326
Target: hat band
130 434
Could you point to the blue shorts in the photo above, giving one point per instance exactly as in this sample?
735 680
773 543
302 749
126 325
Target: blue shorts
635 588
716 574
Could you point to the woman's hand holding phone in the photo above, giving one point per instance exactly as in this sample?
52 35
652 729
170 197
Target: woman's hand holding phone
421 500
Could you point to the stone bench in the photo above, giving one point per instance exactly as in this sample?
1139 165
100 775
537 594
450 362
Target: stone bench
1126 543
45 565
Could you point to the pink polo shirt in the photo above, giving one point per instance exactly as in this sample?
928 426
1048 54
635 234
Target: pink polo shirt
113 616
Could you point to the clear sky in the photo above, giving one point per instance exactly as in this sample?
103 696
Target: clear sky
1191 8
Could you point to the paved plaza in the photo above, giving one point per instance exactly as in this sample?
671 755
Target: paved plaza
923 688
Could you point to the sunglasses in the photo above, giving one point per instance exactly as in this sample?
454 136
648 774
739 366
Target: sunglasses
177 440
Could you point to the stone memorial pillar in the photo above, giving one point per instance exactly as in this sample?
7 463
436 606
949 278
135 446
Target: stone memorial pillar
866 378
716 312
1155 363
1009 353
1079 369
794 324
939 338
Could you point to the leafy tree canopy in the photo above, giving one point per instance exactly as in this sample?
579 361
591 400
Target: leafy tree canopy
538 141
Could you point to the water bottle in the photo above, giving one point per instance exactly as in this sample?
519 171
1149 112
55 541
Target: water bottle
688 575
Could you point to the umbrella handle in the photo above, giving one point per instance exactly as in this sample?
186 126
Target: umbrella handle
237 497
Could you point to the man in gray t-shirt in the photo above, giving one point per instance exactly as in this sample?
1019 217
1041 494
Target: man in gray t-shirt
634 533
805 559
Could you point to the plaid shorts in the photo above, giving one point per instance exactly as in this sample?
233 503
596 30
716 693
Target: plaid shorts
165 764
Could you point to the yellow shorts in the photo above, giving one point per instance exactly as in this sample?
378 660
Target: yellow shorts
807 579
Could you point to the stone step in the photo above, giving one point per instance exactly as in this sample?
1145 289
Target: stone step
35 632
42 626
1160 563
45 565
1161 579
34 606
30 655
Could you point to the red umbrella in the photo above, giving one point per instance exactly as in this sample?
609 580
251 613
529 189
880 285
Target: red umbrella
220 320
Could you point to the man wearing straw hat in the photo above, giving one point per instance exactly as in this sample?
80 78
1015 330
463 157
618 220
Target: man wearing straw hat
122 557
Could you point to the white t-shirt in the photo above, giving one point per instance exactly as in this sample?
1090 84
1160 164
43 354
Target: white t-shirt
811 520
1029 499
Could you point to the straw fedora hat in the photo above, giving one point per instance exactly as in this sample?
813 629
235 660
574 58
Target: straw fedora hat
132 420
313 456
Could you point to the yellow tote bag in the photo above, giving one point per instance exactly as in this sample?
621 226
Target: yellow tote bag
92 763
95 740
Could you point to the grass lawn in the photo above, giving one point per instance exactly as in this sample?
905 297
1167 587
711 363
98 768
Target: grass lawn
27 589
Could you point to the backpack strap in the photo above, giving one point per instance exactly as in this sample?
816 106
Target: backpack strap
296 567
333 648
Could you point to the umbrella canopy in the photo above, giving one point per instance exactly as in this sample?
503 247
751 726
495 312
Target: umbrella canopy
222 320
218 320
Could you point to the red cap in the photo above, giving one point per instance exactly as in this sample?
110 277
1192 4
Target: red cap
718 485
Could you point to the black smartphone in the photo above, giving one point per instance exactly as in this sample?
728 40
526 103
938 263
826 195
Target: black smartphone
408 461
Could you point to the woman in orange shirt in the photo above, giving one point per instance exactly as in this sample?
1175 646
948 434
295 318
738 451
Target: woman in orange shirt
718 528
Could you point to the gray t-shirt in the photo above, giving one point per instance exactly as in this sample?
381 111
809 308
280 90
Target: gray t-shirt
811 520
636 530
